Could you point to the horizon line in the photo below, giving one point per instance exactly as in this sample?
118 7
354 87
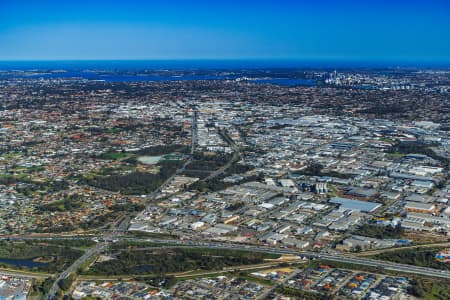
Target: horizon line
418 59
277 62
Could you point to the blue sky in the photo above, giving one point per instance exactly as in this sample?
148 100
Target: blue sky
294 30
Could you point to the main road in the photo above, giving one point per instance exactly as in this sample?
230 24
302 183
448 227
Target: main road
339 258
381 264
236 156
181 169
78 263
363 261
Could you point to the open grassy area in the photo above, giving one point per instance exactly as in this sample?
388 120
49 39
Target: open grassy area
255 279
396 155
113 155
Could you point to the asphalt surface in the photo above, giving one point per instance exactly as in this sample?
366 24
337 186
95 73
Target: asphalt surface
386 265
236 156
362 261
78 263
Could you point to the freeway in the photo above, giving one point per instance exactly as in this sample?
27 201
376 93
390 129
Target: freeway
340 258
91 252
416 247
236 156
386 265
23 274
181 169
166 183
194 130
78 263
235 246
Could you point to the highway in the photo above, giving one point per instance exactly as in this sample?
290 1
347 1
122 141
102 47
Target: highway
236 156
78 263
194 128
386 265
416 247
181 169
235 246
408 269
166 183
339 258
23 274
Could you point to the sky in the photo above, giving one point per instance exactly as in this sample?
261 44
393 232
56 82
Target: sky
372 30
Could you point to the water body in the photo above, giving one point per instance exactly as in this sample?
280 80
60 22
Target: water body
286 81
155 78
112 77
119 70
29 263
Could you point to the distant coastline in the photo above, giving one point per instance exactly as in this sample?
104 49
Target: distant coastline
208 64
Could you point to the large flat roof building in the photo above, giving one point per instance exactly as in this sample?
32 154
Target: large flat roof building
355 205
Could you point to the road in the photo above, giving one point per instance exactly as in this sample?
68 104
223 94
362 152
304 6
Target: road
384 265
169 180
364 261
194 130
339 258
236 156
23 274
100 246
189 274
78 263
152 195
378 251
268 291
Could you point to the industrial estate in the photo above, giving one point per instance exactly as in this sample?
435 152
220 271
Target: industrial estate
261 184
